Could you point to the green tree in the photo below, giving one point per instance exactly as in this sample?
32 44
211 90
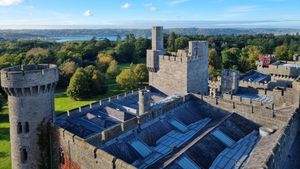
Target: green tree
181 42
250 55
98 85
281 52
79 86
141 72
230 58
113 70
141 46
127 79
67 70
171 42
214 59
103 61
126 53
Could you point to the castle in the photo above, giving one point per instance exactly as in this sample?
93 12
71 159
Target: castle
182 120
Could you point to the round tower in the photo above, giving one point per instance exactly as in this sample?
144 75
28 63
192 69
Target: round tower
30 91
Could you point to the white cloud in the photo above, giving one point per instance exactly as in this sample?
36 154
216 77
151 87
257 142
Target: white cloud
126 5
151 7
87 13
10 2
176 2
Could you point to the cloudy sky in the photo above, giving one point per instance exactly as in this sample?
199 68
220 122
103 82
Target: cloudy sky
145 13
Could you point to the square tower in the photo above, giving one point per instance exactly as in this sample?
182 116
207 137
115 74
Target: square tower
185 71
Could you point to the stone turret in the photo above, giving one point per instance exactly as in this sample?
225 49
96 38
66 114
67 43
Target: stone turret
230 81
157 49
144 101
30 91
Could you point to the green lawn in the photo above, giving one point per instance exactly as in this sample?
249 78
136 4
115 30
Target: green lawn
4 140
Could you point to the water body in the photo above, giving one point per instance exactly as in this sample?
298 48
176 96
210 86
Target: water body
84 38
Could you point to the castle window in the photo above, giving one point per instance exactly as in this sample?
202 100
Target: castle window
24 155
19 128
26 127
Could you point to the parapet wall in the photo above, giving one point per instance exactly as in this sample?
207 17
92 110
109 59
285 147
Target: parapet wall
28 76
244 83
280 70
73 152
265 115
136 122
96 105
272 151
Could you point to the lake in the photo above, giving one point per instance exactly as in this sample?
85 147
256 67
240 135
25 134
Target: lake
85 37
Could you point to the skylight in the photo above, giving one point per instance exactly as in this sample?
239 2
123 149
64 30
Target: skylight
178 125
186 162
223 137
142 148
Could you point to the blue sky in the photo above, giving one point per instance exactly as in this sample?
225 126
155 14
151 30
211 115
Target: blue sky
144 13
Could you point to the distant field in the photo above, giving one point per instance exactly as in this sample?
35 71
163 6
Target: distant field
62 104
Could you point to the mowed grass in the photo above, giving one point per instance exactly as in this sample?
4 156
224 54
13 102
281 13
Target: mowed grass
5 162
62 104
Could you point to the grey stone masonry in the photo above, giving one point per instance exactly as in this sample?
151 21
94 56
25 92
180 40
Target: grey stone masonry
179 72
30 91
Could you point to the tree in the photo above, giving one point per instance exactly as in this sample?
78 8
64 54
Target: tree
281 52
181 42
127 80
171 42
98 85
141 46
79 86
141 72
39 55
250 55
113 69
125 52
230 58
67 70
214 60
103 61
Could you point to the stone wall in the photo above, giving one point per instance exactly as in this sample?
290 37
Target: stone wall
172 75
271 152
280 70
255 111
72 152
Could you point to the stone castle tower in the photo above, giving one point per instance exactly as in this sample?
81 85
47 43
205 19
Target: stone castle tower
30 91
178 72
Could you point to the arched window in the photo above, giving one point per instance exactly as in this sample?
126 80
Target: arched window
26 127
19 128
24 155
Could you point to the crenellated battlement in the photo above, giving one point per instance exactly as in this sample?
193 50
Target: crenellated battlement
29 76
244 83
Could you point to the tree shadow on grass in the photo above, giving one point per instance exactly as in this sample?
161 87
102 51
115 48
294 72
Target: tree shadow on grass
4 134
4 118
3 154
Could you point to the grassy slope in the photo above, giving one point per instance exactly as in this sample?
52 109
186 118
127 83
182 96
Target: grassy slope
62 104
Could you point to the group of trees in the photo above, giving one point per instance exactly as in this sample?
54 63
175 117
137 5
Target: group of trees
95 61
131 78
86 82
239 52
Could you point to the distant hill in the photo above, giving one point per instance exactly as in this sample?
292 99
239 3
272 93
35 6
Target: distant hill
49 34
